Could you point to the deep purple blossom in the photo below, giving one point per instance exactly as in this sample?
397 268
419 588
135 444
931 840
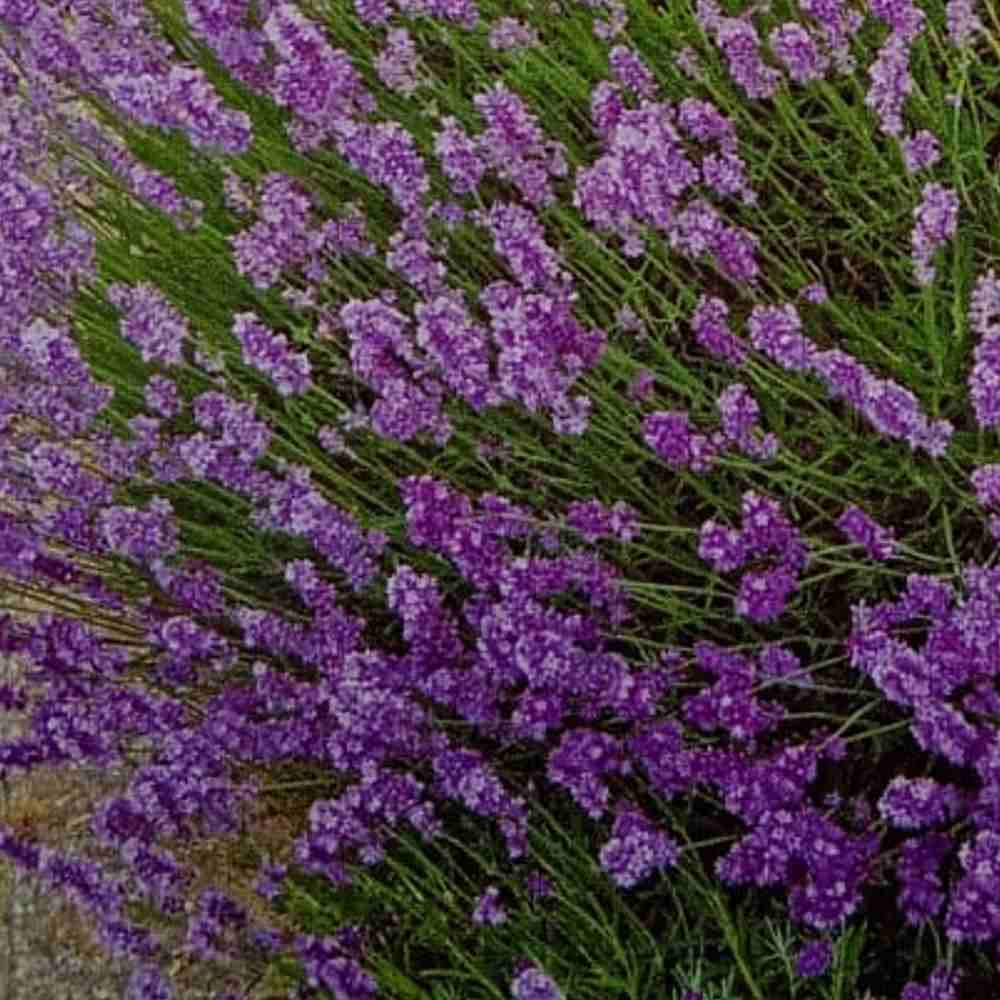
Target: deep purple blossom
879 542
814 958
636 849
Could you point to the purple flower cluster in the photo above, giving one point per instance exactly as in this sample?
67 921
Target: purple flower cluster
802 58
916 803
593 520
890 72
268 352
814 958
533 984
508 34
636 849
514 146
397 64
798 847
729 702
942 985
282 237
984 321
461 12
140 535
181 98
330 964
958 654
740 45
151 322
921 151
632 72
963 22
489 910
319 84
739 413
671 435
893 411
936 222
387 155
879 542
645 172
765 531
918 873
711 331
839 23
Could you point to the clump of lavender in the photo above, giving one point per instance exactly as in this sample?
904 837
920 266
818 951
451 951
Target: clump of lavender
508 34
936 222
984 321
878 542
531 983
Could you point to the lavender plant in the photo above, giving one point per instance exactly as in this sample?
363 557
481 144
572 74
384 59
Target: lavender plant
543 457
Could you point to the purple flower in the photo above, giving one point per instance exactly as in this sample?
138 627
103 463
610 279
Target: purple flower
798 51
151 322
533 984
814 293
641 386
762 596
921 896
507 34
670 434
936 222
148 983
776 332
459 156
397 62
814 958
711 331
740 45
879 542
891 84
538 886
162 396
631 72
986 482
984 321
636 849
973 909
942 985
921 151
489 911
593 520
916 803
962 21
268 352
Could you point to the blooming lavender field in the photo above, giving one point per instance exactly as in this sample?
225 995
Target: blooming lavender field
512 491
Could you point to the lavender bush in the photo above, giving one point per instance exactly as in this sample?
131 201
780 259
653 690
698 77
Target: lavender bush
540 459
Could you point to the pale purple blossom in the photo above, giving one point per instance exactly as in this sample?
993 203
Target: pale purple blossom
921 151
508 33
936 223
533 984
963 22
798 52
